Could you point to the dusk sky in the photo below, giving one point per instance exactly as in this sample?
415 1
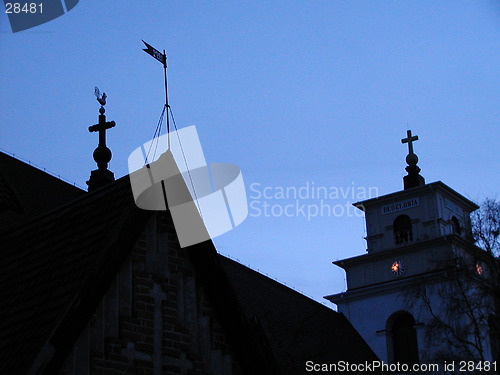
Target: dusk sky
298 94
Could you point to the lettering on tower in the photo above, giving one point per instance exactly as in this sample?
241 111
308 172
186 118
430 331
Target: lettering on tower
402 205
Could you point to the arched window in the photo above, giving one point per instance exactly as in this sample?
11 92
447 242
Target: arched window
456 225
402 230
404 339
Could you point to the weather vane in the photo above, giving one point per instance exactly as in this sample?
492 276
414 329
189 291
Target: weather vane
100 98
161 57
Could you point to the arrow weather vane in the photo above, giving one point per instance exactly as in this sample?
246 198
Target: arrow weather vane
161 57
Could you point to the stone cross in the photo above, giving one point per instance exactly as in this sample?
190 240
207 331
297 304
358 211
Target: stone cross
409 139
101 127
102 154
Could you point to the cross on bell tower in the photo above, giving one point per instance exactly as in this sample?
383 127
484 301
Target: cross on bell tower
409 139
102 154
413 179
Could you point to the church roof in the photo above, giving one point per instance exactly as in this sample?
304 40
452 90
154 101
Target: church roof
298 328
27 192
55 268
51 266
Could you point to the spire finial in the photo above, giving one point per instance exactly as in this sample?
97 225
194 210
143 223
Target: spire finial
102 154
409 139
413 179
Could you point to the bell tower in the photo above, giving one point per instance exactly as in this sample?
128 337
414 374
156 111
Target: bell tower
413 237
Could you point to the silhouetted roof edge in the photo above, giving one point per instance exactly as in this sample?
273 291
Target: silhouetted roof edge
64 334
64 206
334 323
209 269
89 293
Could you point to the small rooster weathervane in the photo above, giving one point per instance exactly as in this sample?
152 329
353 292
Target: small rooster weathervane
100 98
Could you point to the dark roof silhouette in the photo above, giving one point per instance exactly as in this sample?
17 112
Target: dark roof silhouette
55 269
52 265
298 328
27 192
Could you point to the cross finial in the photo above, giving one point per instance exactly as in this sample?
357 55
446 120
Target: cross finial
102 154
409 139
413 179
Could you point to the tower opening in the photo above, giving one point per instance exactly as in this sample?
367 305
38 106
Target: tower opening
404 339
456 225
402 230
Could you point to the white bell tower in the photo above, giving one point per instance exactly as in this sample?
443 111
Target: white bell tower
414 238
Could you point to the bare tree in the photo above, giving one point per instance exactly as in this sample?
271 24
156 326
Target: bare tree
465 321
486 227
486 232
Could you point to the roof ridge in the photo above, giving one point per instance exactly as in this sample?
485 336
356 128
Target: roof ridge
66 206
276 281
39 168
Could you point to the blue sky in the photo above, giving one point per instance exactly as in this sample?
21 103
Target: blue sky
295 93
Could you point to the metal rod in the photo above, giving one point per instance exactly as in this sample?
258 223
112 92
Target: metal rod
166 96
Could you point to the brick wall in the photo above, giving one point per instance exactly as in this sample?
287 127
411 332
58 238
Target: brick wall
155 318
